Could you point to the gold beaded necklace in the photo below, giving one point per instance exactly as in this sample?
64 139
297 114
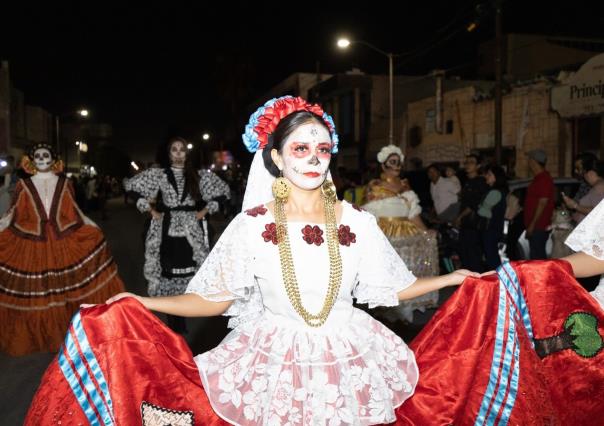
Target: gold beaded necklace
287 262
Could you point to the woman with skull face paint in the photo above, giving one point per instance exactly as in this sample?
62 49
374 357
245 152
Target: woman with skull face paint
397 210
52 259
286 270
178 198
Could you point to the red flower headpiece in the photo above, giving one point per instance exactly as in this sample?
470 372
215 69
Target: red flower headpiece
265 120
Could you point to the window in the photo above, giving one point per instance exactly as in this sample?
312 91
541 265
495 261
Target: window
430 125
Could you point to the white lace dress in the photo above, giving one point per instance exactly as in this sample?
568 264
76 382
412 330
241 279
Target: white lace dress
274 369
588 237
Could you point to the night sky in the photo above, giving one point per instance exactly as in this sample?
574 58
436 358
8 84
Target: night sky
182 68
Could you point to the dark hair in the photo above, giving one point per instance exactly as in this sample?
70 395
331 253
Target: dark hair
585 157
285 128
591 163
501 180
435 167
191 175
474 156
599 168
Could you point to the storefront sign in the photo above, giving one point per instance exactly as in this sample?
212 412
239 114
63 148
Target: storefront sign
583 93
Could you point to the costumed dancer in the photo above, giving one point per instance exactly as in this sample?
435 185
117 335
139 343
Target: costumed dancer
286 271
178 198
52 259
397 210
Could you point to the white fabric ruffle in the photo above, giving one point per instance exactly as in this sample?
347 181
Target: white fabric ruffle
227 274
405 205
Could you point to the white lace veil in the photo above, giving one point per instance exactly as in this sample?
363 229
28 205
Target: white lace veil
259 184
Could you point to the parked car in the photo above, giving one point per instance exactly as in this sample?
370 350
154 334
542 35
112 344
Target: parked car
518 187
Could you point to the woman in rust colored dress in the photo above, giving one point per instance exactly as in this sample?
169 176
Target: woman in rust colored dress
52 259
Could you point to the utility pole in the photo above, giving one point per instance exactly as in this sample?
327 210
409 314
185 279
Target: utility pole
498 80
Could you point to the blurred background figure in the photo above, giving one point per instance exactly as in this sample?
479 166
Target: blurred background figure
397 209
8 181
472 193
444 194
538 204
178 198
491 212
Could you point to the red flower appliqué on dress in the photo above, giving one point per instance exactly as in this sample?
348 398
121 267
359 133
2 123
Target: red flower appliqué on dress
258 210
312 235
270 233
345 236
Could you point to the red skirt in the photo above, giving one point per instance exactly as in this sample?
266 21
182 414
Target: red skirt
522 350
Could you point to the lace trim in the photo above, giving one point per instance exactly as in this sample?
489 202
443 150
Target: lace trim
588 236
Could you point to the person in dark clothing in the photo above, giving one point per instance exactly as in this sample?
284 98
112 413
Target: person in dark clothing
472 193
515 218
491 212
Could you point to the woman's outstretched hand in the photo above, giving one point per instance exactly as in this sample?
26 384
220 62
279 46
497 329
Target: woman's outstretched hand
123 295
457 277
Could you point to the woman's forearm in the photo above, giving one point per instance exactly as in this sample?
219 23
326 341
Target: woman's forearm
186 305
583 209
422 286
585 265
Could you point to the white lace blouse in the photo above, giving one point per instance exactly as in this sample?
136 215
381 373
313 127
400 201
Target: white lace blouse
275 369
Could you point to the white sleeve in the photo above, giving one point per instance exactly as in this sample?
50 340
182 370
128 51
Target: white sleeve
145 185
588 236
412 201
226 274
382 273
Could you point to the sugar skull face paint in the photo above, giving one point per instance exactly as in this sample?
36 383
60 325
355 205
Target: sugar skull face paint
306 155
43 159
392 166
178 154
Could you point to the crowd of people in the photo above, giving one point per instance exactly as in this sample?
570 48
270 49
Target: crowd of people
291 270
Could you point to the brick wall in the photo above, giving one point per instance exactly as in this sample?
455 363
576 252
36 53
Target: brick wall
528 123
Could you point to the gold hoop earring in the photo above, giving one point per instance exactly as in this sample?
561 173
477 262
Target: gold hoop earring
281 189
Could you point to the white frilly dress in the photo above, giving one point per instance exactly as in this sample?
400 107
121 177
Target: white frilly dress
274 369
588 237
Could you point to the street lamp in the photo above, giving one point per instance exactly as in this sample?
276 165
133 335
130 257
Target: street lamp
205 136
344 43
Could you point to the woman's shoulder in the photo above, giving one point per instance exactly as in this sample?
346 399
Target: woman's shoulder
150 173
354 213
